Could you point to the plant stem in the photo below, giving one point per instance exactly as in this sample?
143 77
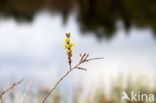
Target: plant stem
8 89
82 60
57 84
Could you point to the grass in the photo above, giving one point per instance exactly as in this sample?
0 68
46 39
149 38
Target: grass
77 95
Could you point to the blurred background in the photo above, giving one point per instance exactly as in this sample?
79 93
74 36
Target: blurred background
31 47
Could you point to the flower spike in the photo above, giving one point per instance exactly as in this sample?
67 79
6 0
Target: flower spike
68 46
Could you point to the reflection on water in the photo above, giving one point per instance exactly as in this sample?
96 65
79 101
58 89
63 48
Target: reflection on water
31 47
97 16
35 51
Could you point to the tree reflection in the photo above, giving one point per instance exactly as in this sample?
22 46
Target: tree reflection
98 16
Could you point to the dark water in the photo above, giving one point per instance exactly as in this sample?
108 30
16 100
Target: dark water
97 16
122 31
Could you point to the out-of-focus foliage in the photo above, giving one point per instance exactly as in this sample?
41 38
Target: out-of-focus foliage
98 16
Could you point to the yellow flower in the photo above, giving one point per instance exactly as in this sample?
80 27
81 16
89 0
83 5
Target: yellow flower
72 44
66 46
67 40
71 50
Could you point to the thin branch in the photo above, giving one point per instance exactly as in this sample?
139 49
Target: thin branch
86 56
82 57
13 85
56 85
94 59
7 90
80 68
82 60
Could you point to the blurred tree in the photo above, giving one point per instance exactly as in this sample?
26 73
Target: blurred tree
98 16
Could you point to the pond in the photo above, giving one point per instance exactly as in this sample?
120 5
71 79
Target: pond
31 40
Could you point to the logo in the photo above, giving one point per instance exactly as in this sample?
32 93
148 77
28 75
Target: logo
138 96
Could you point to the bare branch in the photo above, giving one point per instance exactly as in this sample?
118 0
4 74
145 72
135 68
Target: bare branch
86 56
7 90
94 59
80 68
83 59
56 85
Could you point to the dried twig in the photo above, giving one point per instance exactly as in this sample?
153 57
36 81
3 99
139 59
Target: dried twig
8 89
83 59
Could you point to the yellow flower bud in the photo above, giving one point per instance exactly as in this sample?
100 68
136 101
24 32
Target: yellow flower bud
72 44
66 46
67 40
68 35
71 50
